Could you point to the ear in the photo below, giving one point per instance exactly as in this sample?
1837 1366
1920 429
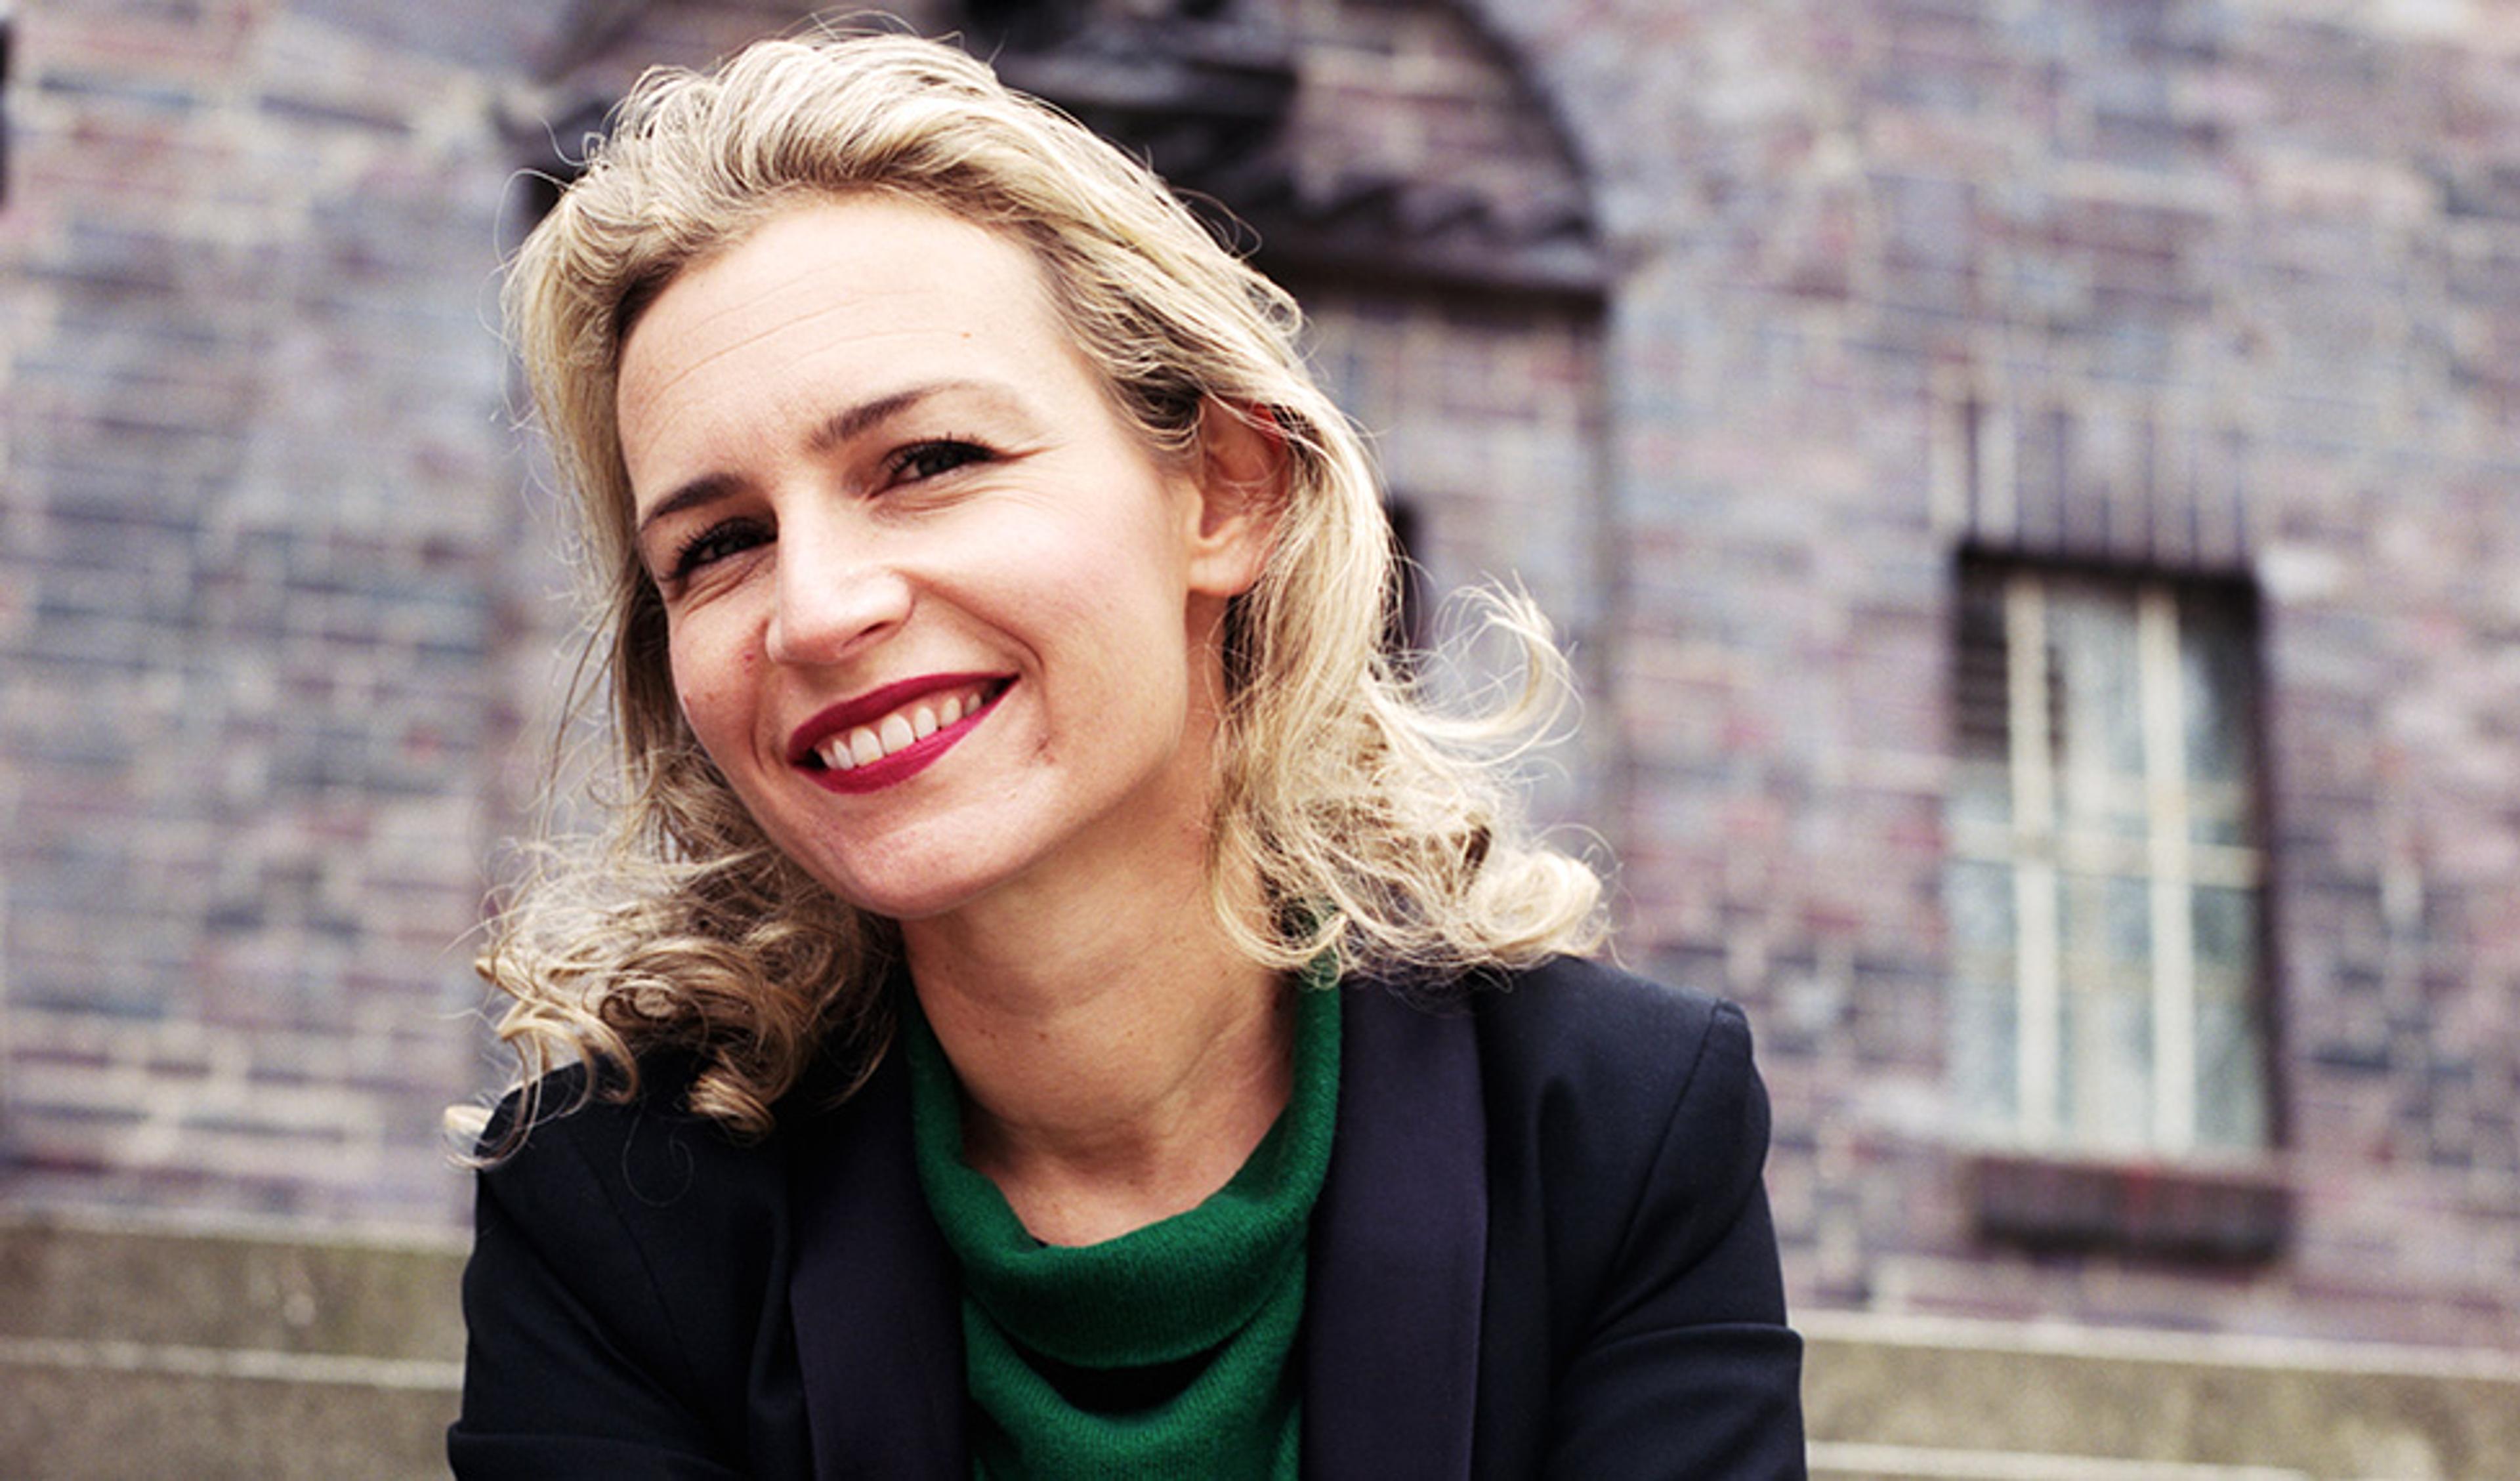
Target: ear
1241 486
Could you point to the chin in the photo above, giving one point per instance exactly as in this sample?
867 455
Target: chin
904 899
914 908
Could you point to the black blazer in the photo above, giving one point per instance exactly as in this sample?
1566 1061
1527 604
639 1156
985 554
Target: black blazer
1543 1249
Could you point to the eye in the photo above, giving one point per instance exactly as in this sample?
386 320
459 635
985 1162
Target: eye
933 460
728 537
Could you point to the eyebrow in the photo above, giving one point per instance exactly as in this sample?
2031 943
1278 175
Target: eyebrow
841 425
849 422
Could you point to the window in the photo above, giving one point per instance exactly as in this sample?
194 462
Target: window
1405 634
2103 881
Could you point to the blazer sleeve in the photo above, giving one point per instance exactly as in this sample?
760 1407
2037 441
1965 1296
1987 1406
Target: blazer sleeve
1687 1367
575 1364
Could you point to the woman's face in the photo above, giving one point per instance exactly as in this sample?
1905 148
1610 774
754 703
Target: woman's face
937 612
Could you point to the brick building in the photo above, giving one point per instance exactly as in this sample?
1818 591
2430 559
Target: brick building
2029 482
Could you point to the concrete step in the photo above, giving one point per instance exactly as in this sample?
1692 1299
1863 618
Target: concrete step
104 1411
143 1348
1838 1460
1906 1397
146 1349
233 1284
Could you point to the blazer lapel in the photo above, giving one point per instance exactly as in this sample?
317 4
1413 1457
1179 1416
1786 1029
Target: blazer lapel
874 1296
1399 1249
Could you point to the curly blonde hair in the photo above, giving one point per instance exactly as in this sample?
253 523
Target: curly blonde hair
1384 832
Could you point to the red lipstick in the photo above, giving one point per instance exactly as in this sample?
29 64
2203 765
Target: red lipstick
866 709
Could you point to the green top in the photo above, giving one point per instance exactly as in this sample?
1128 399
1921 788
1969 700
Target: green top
1166 1353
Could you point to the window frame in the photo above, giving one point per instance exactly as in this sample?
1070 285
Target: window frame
2036 852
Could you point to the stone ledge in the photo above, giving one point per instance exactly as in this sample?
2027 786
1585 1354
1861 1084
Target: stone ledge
2193 1212
94 1420
1846 1461
232 1285
146 1347
109 1357
2100 1398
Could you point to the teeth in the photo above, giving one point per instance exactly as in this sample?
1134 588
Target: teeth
894 732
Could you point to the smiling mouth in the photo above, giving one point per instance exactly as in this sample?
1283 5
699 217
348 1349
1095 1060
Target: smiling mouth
866 745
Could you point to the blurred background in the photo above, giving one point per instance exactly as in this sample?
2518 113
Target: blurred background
2030 486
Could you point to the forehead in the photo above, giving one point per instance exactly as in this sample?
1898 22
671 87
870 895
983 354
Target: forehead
865 288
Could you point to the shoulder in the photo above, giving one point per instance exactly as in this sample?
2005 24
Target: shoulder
1579 993
1616 1109
626 1258
645 1151
1625 1044
639 1207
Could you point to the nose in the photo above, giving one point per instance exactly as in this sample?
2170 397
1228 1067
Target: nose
835 596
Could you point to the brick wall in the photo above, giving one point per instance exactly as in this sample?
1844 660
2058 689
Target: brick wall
251 558
1485 421
279 600
2234 280
2221 287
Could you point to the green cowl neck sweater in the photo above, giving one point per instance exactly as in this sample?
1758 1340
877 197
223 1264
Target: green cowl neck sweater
1166 1353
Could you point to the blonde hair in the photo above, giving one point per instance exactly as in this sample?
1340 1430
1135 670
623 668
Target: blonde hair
1381 831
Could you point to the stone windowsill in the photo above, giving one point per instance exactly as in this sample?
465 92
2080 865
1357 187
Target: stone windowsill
2222 1214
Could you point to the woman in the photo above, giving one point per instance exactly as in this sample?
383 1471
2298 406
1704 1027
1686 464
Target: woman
1052 1005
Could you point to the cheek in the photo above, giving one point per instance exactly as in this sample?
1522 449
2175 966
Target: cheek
714 686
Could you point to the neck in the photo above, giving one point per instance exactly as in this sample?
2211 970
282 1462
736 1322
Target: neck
1119 1058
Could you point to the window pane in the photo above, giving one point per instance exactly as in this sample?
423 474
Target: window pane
2129 940
2220 822
2091 640
2107 933
1981 795
2226 931
2109 1057
2107 1052
1985 1053
2231 1071
1979 898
